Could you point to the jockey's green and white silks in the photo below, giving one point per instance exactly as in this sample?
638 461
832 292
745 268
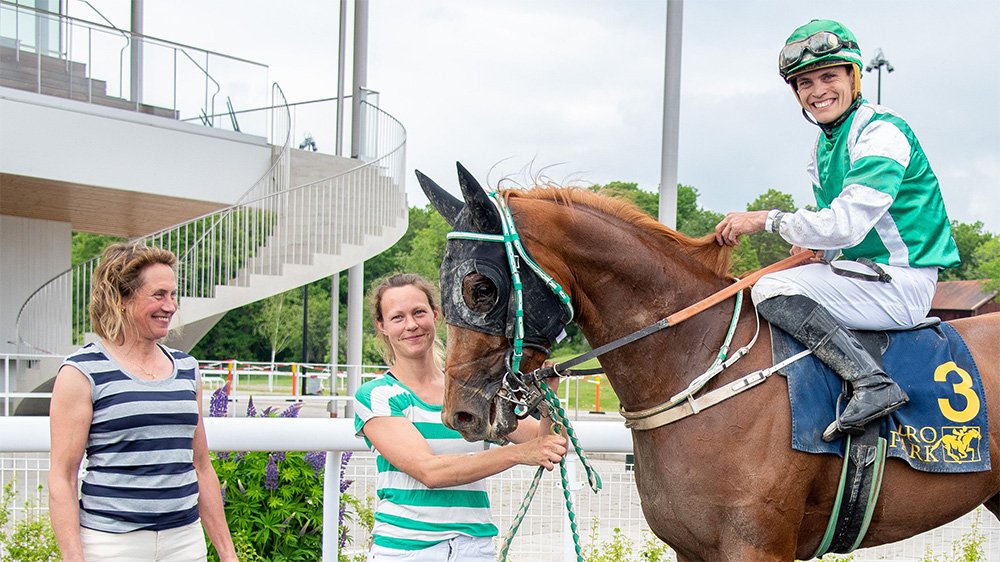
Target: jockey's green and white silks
871 177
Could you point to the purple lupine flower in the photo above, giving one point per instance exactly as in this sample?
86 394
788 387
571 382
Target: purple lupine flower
291 411
218 406
271 474
342 540
239 456
344 485
222 489
317 460
251 409
344 459
268 412
279 456
222 455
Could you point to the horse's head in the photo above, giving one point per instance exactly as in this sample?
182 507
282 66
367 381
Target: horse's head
482 303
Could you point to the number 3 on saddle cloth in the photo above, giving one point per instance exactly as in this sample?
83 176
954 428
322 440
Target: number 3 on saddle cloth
943 428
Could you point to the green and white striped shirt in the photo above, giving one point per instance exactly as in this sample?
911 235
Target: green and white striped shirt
409 515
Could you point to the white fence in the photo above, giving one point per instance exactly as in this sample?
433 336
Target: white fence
542 535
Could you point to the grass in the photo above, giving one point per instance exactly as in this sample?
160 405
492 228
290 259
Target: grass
583 390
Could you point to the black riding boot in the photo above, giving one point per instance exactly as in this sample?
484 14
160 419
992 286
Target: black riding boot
875 394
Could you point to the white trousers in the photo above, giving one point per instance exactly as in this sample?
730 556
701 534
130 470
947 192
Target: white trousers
183 544
859 304
459 549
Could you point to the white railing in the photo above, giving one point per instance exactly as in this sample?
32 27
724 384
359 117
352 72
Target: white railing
542 535
68 57
209 251
276 382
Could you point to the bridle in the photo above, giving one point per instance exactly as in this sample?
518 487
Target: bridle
516 387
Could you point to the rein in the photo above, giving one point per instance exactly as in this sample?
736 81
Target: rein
679 316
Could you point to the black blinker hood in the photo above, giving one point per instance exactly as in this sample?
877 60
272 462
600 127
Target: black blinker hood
544 315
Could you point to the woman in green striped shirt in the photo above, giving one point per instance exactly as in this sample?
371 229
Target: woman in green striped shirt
432 500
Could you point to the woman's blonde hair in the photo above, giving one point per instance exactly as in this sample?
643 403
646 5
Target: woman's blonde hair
116 279
375 305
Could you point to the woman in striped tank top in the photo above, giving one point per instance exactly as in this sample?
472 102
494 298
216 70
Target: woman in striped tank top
133 406
432 500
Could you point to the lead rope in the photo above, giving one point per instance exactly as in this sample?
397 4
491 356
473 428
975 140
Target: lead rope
560 423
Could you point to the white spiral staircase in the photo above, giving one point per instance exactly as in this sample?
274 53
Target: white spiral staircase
275 238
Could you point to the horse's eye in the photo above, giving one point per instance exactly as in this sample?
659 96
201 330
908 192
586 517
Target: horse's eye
479 292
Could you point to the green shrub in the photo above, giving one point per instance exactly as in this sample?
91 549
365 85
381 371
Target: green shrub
28 540
274 500
967 548
620 548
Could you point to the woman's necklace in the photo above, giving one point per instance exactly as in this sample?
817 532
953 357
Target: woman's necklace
145 371
133 362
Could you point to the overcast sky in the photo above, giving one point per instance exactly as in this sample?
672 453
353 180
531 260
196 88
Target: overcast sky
576 87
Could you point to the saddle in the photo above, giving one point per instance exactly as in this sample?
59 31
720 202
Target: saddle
939 430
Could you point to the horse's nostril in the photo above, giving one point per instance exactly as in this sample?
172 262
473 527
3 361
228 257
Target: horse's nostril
464 418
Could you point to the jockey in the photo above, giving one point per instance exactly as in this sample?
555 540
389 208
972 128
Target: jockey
879 205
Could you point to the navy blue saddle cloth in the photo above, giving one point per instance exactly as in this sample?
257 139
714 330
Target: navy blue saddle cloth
943 428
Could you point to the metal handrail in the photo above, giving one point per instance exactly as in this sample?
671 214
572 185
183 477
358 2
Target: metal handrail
70 23
128 42
166 42
121 54
208 76
266 108
271 226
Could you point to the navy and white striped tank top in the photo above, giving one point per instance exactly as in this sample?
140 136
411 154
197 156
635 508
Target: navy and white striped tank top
140 473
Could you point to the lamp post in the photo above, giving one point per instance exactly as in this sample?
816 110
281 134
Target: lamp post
877 63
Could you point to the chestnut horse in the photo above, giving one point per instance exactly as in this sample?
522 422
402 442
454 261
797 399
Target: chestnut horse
724 484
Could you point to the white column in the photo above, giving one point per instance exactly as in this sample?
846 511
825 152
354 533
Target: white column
135 78
355 308
331 506
671 113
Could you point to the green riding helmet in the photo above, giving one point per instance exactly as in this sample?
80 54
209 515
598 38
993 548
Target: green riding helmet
820 44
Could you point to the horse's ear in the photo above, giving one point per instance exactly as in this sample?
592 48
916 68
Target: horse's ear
484 215
444 203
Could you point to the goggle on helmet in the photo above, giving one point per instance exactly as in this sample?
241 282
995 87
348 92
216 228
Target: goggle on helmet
820 44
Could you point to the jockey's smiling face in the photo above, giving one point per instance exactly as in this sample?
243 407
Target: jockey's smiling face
825 93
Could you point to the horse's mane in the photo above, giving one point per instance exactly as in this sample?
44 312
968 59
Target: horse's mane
705 249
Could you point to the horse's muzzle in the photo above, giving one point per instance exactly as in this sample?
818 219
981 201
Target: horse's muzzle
478 418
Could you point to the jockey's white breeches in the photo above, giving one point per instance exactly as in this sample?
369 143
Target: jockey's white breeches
857 303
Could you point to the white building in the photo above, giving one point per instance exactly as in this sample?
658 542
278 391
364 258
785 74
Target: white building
111 132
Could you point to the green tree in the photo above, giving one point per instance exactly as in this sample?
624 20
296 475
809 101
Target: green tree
278 321
86 246
692 219
744 259
427 248
969 237
234 337
629 191
318 322
770 247
987 259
